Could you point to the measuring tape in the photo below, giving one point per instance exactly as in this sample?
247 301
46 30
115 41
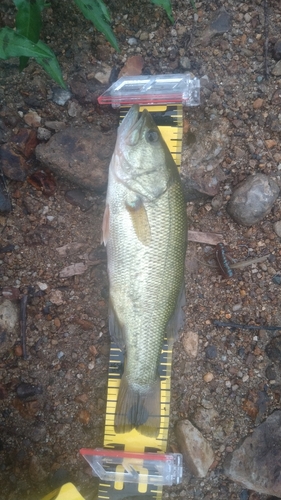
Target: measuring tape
149 467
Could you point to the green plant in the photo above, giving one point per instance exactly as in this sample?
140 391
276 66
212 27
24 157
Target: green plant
24 42
166 4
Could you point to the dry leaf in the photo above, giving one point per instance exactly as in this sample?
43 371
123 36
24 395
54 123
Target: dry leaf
43 181
73 270
69 248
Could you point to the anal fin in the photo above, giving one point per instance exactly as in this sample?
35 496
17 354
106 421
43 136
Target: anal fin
177 320
115 328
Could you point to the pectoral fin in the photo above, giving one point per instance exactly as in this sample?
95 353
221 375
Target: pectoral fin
176 322
140 220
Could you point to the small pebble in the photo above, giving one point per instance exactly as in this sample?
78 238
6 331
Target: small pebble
190 343
32 119
73 109
61 96
84 417
78 198
258 103
208 377
237 307
276 279
277 228
185 62
18 350
211 352
42 286
244 495
25 390
273 349
43 134
132 41
57 322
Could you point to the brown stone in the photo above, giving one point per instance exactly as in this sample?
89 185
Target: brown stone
81 155
270 143
258 103
133 67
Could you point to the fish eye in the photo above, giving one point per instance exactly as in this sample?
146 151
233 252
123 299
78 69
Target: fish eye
152 136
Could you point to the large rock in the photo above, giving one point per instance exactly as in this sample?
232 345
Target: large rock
252 199
256 463
197 452
82 155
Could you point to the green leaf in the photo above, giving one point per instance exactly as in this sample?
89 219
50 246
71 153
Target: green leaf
41 3
104 10
96 11
28 19
12 44
166 4
28 23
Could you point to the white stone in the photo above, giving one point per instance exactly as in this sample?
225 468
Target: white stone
196 450
42 286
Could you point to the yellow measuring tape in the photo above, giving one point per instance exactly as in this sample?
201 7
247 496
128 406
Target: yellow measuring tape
169 120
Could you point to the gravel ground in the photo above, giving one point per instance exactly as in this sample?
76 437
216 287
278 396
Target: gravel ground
229 376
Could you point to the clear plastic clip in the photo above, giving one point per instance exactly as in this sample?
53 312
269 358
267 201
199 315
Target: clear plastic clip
130 467
153 90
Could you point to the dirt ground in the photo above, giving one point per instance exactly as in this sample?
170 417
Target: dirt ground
67 333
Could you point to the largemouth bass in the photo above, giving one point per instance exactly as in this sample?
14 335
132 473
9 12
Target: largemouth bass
144 229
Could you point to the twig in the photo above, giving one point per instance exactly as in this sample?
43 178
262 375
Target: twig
245 327
245 263
23 307
201 237
265 9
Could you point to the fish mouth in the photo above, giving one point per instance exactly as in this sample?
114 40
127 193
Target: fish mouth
130 120
132 125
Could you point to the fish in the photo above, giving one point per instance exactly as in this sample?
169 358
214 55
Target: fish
145 233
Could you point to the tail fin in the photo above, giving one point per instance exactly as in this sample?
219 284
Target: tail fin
140 410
